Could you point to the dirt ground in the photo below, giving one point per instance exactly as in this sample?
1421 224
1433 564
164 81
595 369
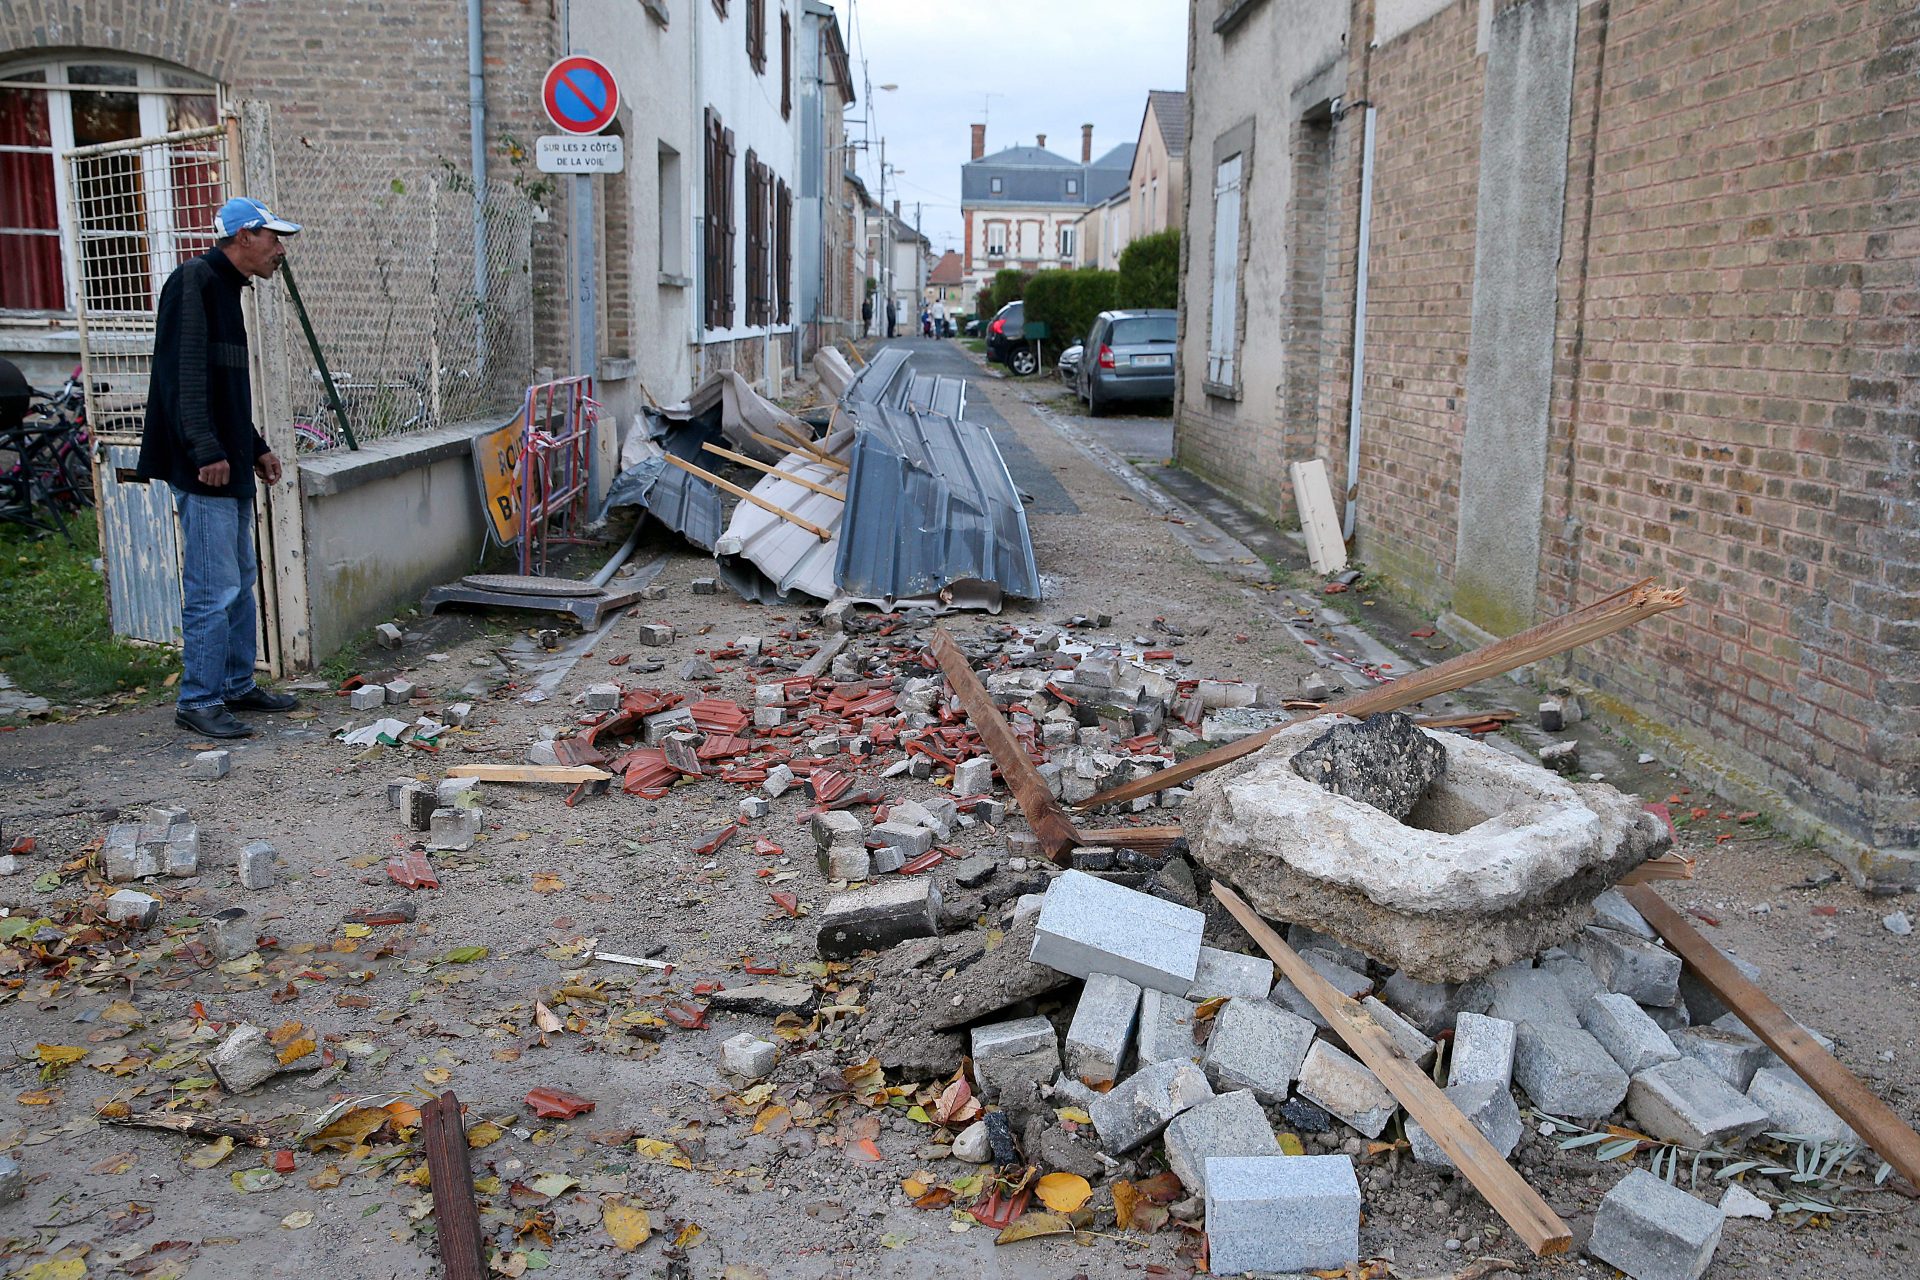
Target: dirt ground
801 1176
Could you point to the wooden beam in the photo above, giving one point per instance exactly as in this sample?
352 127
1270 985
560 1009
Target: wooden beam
1591 622
455 1215
1890 1136
1537 1225
569 774
788 476
750 496
1049 822
820 456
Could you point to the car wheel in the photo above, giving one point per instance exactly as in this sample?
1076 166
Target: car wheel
1096 407
1022 362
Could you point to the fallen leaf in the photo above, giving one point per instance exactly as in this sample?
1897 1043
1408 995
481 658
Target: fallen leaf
664 1152
58 1055
466 955
297 1219
483 1135
297 1050
326 1179
114 1164
350 1130
67 1268
868 1150
775 1120
1290 1145
211 1154
1029 1226
629 1225
436 1075
1063 1192
553 1104
546 1020
547 882
248 1181
553 1184
688 1234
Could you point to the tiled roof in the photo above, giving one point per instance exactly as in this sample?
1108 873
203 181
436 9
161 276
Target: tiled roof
1170 107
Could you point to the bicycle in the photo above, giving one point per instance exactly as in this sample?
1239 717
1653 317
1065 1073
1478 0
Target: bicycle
46 468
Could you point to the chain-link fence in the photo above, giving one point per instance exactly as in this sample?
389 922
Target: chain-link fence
385 265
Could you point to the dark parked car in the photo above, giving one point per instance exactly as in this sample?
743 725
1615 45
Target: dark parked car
1128 356
1007 340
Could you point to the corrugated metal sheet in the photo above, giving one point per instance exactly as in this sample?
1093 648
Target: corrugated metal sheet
140 538
679 500
764 557
931 510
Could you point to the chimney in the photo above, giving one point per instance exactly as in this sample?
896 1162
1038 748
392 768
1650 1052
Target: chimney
1040 141
1086 144
979 141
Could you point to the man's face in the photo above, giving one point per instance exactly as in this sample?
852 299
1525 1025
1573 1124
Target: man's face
257 252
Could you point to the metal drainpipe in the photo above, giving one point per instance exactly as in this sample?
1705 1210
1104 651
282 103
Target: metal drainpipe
1359 328
477 112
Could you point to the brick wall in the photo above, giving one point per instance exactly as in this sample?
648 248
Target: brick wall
1743 407
383 76
1427 86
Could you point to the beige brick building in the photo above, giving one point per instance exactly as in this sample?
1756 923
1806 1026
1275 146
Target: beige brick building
1639 301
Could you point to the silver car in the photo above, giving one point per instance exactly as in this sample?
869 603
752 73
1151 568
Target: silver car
1128 355
1068 366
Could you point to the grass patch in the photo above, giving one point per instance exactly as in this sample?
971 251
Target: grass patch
55 639
976 345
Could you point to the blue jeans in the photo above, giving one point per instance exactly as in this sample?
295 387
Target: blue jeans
217 573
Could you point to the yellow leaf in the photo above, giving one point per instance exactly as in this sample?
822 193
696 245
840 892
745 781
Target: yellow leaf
1290 1145
350 1130
356 930
59 1055
913 1187
484 1134
285 1032
547 882
436 1075
298 1049
326 1179
37 1097
1029 1225
688 1234
1063 1192
68 1268
629 1225
664 1152
1074 1115
755 1096
779 1119
122 1012
211 1154
297 1219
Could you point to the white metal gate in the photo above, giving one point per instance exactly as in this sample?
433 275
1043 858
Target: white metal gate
140 208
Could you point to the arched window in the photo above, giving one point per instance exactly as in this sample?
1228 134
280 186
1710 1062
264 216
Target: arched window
50 106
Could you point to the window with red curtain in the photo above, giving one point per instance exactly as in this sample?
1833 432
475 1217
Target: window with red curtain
128 238
31 278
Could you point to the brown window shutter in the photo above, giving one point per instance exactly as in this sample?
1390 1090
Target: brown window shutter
786 66
783 253
757 35
712 230
732 228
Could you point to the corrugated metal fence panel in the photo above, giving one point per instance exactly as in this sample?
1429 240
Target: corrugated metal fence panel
929 505
142 537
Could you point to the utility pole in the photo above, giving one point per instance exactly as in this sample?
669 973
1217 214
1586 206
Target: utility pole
886 237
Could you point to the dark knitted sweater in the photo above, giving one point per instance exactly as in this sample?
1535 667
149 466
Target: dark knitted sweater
200 401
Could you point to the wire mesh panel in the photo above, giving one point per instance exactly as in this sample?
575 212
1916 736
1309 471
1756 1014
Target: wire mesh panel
139 209
385 265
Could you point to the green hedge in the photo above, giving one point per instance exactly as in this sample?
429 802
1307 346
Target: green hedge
1067 301
1150 271
1007 285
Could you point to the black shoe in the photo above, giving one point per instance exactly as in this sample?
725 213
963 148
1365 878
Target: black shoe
212 722
258 699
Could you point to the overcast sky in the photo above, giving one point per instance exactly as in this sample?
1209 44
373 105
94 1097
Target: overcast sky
1024 66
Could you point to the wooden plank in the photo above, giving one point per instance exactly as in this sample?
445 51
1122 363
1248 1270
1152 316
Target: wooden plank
456 1217
1876 1123
750 496
1049 822
1145 839
1589 623
1313 499
788 476
569 774
1537 1225
1668 866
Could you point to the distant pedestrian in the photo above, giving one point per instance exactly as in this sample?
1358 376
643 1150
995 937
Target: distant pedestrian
866 315
926 321
893 316
201 440
940 320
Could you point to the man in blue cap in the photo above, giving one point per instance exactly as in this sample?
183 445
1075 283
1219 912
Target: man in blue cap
201 440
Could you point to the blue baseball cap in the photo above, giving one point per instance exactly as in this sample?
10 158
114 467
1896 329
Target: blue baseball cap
242 214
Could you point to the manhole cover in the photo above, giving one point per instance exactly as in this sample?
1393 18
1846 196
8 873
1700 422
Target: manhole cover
513 582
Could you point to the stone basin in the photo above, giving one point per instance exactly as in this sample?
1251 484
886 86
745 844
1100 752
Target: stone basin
1499 860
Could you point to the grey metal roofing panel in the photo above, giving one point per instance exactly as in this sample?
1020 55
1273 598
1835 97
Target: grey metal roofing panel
930 506
679 500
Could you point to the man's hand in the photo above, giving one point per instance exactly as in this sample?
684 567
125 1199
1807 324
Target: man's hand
216 474
267 467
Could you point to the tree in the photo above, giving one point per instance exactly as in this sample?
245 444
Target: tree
1150 271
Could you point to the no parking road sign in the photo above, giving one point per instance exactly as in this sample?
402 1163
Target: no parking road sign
580 95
